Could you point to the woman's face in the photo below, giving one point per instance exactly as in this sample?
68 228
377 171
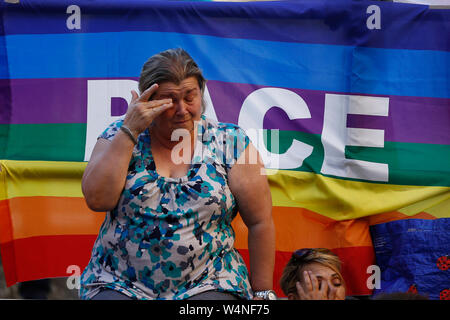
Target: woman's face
325 276
187 106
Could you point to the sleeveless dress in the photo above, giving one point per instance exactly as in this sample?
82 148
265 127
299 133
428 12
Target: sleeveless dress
171 238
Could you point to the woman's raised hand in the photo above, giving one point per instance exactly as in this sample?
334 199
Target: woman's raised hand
141 112
315 289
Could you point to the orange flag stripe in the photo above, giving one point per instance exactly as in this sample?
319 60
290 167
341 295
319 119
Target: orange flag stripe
37 216
295 227
300 228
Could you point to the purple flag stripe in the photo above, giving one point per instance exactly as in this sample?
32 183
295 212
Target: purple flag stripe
411 119
50 101
46 101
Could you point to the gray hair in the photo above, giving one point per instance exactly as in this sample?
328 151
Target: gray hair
172 65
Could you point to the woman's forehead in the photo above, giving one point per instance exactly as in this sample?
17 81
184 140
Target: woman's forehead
173 88
320 270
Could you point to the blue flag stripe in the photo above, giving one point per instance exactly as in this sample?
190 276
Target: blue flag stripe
291 65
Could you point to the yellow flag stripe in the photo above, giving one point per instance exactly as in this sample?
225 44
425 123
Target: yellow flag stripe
334 198
346 199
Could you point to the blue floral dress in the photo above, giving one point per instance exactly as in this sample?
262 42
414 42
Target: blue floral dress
171 238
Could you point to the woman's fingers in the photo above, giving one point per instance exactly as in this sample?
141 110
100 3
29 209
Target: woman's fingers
143 99
157 103
324 289
134 95
320 287
314 281
148 93
142 112
331 291
308 281
300 292
157 110
315 289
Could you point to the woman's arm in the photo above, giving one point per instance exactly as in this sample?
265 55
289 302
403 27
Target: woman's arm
105 175
251 189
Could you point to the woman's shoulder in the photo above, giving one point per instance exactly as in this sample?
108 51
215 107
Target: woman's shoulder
112 129
226 141
211 124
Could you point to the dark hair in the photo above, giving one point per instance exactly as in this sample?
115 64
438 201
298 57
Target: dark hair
172 65
301 258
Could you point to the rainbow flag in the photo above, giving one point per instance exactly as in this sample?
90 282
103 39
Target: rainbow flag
348 102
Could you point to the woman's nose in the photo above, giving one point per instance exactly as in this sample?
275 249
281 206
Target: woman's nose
180 107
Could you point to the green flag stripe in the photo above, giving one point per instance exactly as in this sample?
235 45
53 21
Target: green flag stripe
49 142
409 163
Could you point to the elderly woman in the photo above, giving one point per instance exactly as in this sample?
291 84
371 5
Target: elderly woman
167 232
313 274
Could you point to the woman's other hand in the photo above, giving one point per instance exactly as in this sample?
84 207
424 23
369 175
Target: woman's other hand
315 288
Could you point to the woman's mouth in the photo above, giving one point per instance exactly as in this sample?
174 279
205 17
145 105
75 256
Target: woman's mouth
181 121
